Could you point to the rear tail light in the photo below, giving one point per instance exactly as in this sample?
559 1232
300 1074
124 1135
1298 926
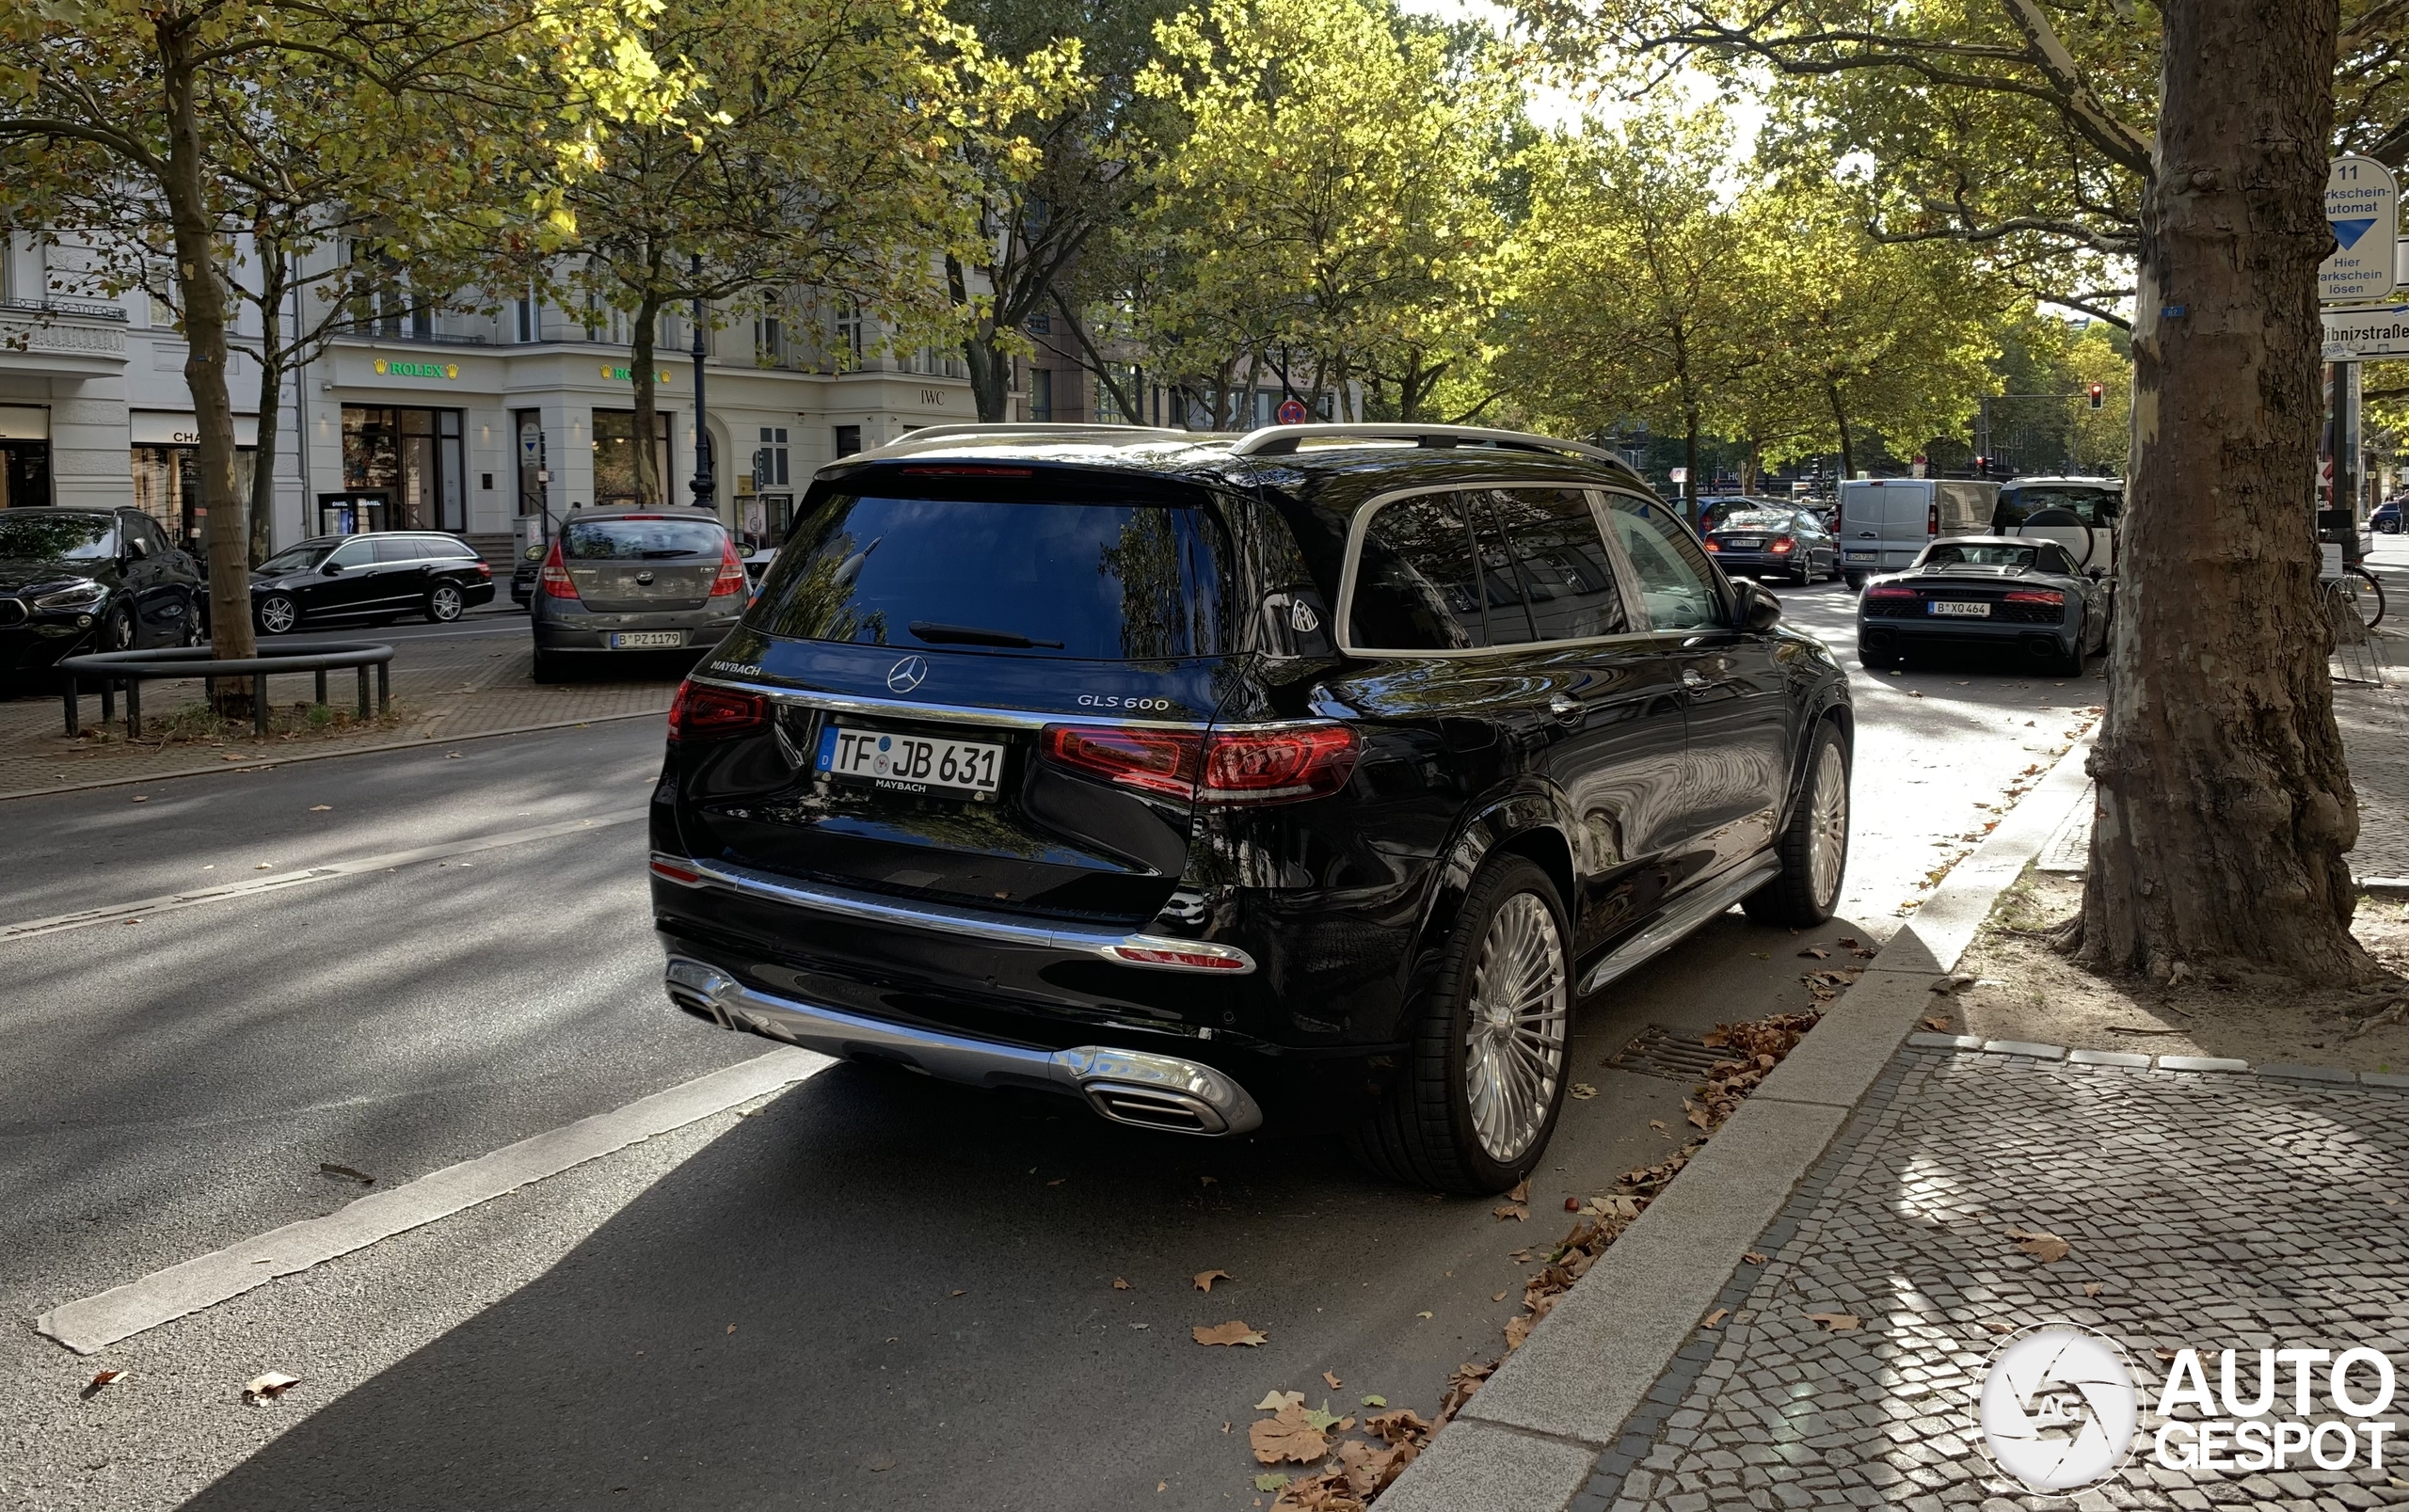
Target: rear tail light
1782 544
1889 593
2035 595
484 570
555 577
1714 545
1932 519
1182 957
677 869
732 572
701 712
1275 765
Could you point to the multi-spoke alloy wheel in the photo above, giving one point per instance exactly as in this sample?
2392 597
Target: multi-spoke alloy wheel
1814 847
1515 1028
1827 835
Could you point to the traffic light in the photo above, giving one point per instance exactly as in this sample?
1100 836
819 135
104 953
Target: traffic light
1981 466
2099 394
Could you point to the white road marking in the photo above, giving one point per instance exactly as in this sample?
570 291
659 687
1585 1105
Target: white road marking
115 912
94 1322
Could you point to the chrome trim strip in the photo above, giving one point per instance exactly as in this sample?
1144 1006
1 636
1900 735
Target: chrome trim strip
1018 719
941 919
1220 1105
1688 916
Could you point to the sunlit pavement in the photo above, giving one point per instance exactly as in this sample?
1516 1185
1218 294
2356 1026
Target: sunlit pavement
873 1291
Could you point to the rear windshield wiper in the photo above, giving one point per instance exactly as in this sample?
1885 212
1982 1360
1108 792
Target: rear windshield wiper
973 635
664 554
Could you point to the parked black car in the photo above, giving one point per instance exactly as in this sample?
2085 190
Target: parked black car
375 578
76 579
1785 542
1317 773
1987 591
618 582
523 576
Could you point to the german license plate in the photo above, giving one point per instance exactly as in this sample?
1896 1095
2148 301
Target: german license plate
647 640
1744 542
1862 556
1964 611
909 763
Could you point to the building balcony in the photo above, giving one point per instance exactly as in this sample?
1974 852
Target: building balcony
61 337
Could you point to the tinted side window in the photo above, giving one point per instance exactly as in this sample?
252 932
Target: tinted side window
1674 579
1416 588
1552 538
400 550
356 552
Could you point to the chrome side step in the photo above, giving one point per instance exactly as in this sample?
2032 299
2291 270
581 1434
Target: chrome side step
1687 914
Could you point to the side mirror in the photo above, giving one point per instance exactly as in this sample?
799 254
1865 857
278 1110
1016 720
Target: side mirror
2096 574
332 568
137 548
1759 608
746 553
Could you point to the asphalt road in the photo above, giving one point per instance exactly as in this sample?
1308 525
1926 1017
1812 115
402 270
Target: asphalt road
873 1291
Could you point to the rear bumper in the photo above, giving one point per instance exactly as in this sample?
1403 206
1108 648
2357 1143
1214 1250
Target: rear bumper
1758 563
560 630
1897 634
1135 1087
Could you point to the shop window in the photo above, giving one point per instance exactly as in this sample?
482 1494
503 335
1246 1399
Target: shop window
1041 393
849 440
615 456
166 487
412 458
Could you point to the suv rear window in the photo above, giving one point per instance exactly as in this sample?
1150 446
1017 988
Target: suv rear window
2094 507
638 538
1125 581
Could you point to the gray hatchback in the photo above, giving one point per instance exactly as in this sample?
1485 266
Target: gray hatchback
624 581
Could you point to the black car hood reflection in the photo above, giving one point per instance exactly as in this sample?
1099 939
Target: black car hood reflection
17 573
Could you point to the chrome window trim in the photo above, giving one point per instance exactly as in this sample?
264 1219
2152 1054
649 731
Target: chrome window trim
941 919
1717 581
1360 525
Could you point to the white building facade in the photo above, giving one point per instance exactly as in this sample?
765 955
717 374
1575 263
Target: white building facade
485 425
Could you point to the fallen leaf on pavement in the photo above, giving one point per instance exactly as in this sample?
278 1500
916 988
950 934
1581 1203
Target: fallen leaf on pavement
1161 1487
1120 1285
1835 1322
1331 1381
1204 1278
1499 1298
1374 1401
269 1387
1511 1210
1815 953
107 1377
327 1168
1937 1023
2009 1328
1269 1481
1286 1435
961 1293
2166 1355
731 1328
2092 1288
879 1464
142 798
322 808
1522 1192
1422 1314
1753 1258
1583 1091
1233 1333
1274 1401
2045 1247
1715 1319
1208 1181
1403 1425
1658 1124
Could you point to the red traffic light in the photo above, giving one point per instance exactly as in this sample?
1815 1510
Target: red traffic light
2099 394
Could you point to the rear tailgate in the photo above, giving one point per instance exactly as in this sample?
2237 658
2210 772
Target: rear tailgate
627 564
916 756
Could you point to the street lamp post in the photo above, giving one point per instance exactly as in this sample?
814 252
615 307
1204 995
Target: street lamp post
706 487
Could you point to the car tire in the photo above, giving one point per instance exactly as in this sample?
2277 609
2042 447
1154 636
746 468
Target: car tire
1462 1115
1855 581
1813 847
1878 660
547 667
276 615
119 630
444 603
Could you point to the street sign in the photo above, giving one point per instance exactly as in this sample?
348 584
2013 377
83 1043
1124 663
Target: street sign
2363 205
2400 262
1292 411
2371 333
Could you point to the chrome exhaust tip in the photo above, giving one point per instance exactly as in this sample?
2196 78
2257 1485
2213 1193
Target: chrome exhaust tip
1160 1092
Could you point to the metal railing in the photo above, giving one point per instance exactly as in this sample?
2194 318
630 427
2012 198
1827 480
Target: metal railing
86 308
133 668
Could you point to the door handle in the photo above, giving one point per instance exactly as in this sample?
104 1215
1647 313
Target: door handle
1568 710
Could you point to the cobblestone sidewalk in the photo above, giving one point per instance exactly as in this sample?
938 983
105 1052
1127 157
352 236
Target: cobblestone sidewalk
442 689
2208 1211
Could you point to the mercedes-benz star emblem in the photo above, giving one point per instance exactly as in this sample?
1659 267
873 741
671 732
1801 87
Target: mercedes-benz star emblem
907 673
644 576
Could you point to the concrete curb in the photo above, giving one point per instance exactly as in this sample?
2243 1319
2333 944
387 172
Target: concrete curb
1530 1439
2271 1071
265 763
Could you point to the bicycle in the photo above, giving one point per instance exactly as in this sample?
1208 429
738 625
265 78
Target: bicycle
2358 594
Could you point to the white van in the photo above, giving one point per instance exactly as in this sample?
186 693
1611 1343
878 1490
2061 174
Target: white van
1885 521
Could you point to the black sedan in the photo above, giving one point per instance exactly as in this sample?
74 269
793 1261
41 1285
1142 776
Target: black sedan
375 578
91 579
1763 543
1987 591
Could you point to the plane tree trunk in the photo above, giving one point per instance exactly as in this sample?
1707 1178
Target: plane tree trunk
2225 809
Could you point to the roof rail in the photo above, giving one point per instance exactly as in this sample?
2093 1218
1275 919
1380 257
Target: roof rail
1278 440
1029 430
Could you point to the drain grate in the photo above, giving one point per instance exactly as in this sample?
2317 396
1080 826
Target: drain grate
1658 1052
